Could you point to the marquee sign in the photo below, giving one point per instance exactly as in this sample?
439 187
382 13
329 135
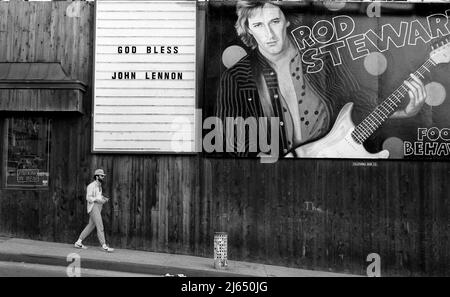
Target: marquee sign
144 89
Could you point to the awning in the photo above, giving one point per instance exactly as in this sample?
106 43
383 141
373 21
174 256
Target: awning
40 87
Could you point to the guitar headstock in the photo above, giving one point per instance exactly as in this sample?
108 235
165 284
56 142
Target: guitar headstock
441 52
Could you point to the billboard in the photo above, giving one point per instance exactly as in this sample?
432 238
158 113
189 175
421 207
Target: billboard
144 76
327 80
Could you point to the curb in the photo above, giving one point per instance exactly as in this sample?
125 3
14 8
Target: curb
115 266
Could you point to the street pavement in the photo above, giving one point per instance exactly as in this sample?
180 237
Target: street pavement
16 269
140 262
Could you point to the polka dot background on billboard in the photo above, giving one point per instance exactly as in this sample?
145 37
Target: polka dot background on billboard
232 54
375 63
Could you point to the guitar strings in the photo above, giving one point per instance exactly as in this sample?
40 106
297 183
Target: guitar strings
374 120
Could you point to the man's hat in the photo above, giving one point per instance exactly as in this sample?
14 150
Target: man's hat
99 172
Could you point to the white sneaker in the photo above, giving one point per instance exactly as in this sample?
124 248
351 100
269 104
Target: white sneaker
80 246
107 249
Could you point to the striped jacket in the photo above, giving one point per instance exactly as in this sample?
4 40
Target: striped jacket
238 95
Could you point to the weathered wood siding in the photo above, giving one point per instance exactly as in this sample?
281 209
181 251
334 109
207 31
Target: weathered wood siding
41 100
51 32
175 204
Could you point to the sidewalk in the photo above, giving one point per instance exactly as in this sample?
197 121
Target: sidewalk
51 253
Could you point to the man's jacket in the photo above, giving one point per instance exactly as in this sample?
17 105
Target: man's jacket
240 96
93 194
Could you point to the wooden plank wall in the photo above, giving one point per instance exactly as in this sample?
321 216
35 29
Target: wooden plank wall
51 32
175 204
397 209
40 100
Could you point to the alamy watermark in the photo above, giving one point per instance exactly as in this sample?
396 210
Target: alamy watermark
231 135
374 268
74 268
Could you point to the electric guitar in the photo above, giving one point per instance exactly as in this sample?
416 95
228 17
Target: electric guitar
345 140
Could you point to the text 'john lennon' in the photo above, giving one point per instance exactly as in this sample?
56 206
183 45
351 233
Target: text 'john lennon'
149 75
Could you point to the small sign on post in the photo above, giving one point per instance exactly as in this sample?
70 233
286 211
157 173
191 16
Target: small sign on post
220 250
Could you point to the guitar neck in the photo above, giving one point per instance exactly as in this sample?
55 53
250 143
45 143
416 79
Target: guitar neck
384 110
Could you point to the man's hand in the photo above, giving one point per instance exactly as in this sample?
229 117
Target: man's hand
417 96
102 200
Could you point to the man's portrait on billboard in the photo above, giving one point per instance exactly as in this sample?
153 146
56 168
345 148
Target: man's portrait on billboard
275 80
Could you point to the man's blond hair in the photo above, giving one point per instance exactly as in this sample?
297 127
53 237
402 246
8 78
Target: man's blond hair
244 10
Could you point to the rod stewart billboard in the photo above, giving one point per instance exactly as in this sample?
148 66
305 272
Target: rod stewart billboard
327 80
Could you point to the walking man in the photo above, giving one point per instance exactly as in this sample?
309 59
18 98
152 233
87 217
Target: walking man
95 201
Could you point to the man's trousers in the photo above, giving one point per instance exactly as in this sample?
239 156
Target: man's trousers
95 221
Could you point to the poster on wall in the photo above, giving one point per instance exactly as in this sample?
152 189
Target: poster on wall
144 76
354 80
